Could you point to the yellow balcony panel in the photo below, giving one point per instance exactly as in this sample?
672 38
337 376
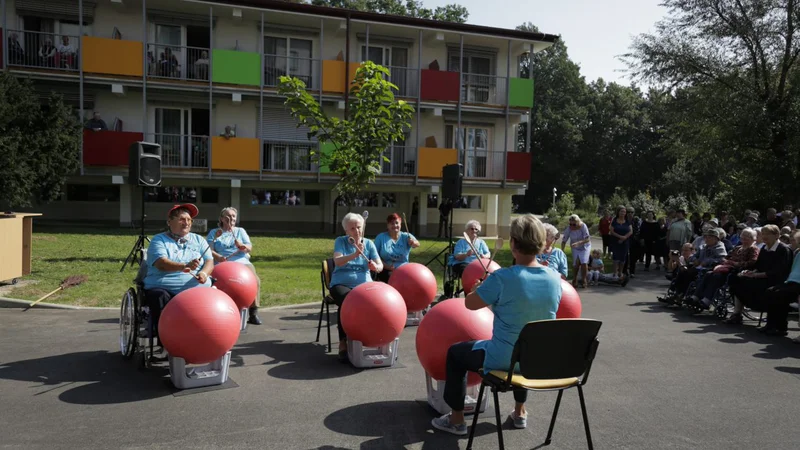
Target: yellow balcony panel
241 154
111 56
431 161
333 75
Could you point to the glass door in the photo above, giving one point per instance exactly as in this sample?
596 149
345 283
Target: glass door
169 134
477 149
480 79
168 51
274 59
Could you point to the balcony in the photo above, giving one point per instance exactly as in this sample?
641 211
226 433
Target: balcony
235 67
431 161
235 154
288 156
402 161
518 167
35 50
176 62
481 89
333 76
111 56
181 151
305 69
406 80
439 85
108 148
483 164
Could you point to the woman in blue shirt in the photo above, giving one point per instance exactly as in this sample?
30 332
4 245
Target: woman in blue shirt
525 292
552 257
231 243
462 252
354 257
394 246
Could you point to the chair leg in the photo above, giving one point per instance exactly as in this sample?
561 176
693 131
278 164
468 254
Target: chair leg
328 316
319 324
760 317
585 418
499 421
475 418
553 420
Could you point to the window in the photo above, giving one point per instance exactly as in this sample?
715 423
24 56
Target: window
209 195
473 145
283 156
92 193
287 56
396 60
172 194
469 202
266 197
478 76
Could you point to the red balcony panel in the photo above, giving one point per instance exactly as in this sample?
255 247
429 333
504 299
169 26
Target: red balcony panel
108 148
519 166
440 86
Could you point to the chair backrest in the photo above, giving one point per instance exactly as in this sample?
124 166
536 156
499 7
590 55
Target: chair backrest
327 271
142 272
560 348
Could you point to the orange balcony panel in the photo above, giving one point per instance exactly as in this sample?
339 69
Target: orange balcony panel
518 166
241 154
431 161
111 56
333 75
108 148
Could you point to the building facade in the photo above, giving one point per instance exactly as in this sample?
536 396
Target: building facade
200 79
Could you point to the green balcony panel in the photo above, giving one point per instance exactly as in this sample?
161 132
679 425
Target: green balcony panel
233 67
326 148
520 92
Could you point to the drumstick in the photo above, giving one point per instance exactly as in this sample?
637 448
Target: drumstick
498 244
477 255
406 223
352 240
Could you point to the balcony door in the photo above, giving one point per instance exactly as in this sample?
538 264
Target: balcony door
183 136
287 56
474 144
477 75
395 59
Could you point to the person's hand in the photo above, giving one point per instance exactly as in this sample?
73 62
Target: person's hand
220 258
388 267
360 246
202 277
191 265
470 253
239 245
478 282
744 273
411 241
218 233
373 267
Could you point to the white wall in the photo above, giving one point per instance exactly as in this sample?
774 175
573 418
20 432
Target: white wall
244 115
229 31
127 18
127 108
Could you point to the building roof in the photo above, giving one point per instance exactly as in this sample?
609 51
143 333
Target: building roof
302 8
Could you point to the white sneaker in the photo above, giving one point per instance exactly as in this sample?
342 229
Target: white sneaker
520 422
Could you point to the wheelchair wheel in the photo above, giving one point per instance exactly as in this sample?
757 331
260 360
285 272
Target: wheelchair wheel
128 324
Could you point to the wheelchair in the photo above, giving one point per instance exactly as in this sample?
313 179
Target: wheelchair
137 334
452 280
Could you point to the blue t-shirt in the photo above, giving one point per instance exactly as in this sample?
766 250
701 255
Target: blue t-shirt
794 275
185 250
462 246
517 295
556 260
597 263
355 272
394 252
225 246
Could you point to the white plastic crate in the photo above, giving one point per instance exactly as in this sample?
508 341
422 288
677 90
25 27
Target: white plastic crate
414 318
369 357
210 374
245 316
436 399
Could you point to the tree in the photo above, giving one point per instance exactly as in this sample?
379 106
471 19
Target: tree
412 8
39 144
375 120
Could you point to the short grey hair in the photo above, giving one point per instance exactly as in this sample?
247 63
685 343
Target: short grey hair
229 208
471 223
353 217
749 232
550 231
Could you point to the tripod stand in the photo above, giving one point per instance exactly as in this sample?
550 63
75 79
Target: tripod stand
449 232
137 252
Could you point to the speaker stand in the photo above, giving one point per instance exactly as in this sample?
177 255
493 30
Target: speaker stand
450 245
137 252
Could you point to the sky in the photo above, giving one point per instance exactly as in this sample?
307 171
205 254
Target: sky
595 31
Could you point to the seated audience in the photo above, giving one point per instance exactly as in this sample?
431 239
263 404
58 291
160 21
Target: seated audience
552 257
743 257
706 258
780 296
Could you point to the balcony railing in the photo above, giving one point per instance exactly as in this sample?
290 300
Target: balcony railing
43 50
406 80
306 69
483 89
402 161
177 62
483 164
288 156
181 150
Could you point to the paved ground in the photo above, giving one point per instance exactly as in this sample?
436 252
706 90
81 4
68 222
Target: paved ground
662 380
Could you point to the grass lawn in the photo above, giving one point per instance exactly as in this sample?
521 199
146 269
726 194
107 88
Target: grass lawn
288 266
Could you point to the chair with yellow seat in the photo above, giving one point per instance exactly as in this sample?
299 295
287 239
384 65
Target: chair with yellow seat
552 355
327 300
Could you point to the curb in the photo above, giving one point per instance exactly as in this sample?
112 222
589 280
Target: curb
22 304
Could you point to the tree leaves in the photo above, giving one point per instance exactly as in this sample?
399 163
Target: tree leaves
412 8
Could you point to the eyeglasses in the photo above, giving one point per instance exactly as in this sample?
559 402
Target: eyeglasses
477 230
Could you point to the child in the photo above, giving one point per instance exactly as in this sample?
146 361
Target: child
596 267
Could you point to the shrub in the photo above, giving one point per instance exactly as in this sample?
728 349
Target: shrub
590 205
565 204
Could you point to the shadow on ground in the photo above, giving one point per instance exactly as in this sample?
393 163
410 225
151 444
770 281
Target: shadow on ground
294 361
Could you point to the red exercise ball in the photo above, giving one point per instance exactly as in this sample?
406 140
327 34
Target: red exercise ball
448 323
416 283
238 281
570 305
199 325
474 272
373 313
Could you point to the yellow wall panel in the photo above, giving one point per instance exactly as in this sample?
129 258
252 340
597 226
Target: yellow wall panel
111 56
235 154
333 76
431 161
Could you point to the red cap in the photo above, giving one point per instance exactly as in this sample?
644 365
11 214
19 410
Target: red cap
193 211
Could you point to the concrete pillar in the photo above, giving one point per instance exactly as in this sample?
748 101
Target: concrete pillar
490 227
327 210
126 204
236 198
504 215
423 215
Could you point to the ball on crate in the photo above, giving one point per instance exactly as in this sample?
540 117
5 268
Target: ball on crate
416 284
448 323
200 325
474 272
570 306
373 313
236 280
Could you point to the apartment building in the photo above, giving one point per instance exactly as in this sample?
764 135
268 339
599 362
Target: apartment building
200 79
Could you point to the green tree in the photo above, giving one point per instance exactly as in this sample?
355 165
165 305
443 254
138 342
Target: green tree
375 120
39 144
412 8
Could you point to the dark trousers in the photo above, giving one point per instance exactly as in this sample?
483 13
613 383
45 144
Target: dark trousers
461 358
684 279
383 276
709 284
778 300
653 250
606 243
156 300
634 253
338 294
750 291
443 226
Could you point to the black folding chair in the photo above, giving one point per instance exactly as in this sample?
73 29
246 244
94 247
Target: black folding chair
552 355
327 300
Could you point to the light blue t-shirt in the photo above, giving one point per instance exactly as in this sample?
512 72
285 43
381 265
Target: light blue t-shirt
597 263
794 275
394 252
225 246
517 295
462 246
185 250
556 260
355 272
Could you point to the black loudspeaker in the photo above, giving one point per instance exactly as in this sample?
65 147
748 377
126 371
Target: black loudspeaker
144 164
452 178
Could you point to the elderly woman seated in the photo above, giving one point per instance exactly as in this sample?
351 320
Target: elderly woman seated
354 257
553 257
749 287
231 243
394 246
462 252
707 258
784 294
176 260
